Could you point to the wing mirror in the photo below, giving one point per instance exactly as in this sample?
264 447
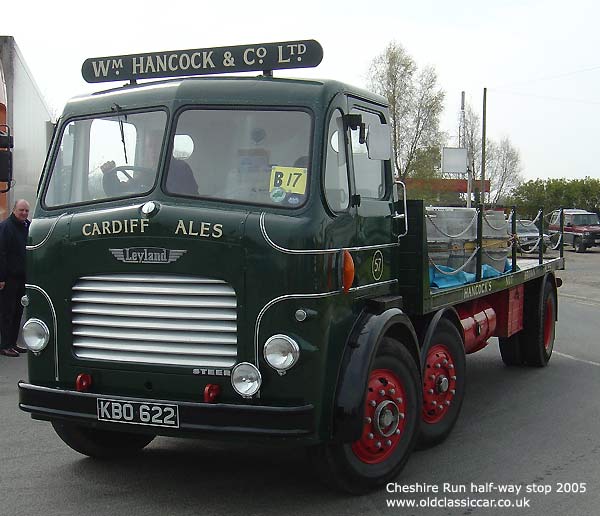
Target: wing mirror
379 141
6 144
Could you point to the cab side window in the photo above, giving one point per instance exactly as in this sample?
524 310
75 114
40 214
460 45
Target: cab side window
369 175
337 189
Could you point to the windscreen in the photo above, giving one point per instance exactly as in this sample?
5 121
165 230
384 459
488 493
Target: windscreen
106 157
585 219
247 156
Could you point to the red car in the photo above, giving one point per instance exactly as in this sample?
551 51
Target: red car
581 229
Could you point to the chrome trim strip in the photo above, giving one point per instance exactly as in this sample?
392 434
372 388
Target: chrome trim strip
40 244
303 296
54 322
403 216
362 287
315 251
275 301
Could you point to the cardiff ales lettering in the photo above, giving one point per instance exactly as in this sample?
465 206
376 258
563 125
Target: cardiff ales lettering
114 227
130 226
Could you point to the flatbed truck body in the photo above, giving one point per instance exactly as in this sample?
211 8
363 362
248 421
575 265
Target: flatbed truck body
287 298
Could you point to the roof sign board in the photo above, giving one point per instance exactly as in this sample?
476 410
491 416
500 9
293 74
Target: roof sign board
454 160
204 61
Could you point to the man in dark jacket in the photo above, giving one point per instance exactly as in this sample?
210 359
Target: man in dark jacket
13 239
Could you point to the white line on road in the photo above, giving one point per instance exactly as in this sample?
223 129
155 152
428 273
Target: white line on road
577 359
580 299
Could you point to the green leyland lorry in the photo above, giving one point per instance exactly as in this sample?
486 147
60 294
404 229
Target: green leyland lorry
230 257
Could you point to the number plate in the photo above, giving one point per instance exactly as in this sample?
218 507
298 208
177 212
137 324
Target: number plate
138 413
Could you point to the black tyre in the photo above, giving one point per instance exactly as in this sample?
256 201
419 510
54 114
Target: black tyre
539 321
510 350
579 245
101 444
391 416
443 381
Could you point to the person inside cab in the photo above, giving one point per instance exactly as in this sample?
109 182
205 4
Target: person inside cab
117 181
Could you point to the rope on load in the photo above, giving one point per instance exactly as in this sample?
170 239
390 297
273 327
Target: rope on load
460 269
494 227
532 222
446 234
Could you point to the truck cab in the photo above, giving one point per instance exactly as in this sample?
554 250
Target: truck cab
218 261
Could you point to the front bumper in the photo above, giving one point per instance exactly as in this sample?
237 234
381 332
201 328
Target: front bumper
194 418
592 240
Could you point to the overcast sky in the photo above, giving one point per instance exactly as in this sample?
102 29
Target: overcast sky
539 59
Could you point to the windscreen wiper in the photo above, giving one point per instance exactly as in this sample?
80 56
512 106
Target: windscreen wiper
120 117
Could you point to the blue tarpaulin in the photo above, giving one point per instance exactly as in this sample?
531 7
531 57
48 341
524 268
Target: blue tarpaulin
438 279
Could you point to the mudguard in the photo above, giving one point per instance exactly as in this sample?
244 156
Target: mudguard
356 365
448 313
552 279
534 290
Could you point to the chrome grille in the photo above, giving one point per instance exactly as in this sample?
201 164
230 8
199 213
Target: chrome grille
155 319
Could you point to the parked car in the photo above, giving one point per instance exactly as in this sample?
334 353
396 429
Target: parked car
528 235
581 228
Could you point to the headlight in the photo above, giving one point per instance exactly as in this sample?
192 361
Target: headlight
281 352
586 233
246 379
35 335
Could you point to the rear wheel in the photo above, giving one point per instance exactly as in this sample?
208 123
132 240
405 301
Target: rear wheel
443 384
102 444
390 419
539 330
510 350
534 343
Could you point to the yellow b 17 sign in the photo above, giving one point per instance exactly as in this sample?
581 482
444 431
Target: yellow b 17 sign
290 179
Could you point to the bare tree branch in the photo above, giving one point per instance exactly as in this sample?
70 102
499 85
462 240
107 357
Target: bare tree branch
415 103
502 161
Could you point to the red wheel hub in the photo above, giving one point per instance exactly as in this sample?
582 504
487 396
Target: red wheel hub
439 384
548 324
384 417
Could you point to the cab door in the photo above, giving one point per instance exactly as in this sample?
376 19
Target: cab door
341 228
568 232
372 196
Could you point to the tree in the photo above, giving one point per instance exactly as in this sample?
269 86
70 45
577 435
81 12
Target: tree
556 193
415 103
502 161
472 141
504 170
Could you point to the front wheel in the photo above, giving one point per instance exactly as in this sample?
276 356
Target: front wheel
579 245
101 444
390 421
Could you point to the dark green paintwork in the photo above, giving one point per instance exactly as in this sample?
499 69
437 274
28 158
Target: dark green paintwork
258 272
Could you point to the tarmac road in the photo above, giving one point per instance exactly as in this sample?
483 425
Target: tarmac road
534 428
